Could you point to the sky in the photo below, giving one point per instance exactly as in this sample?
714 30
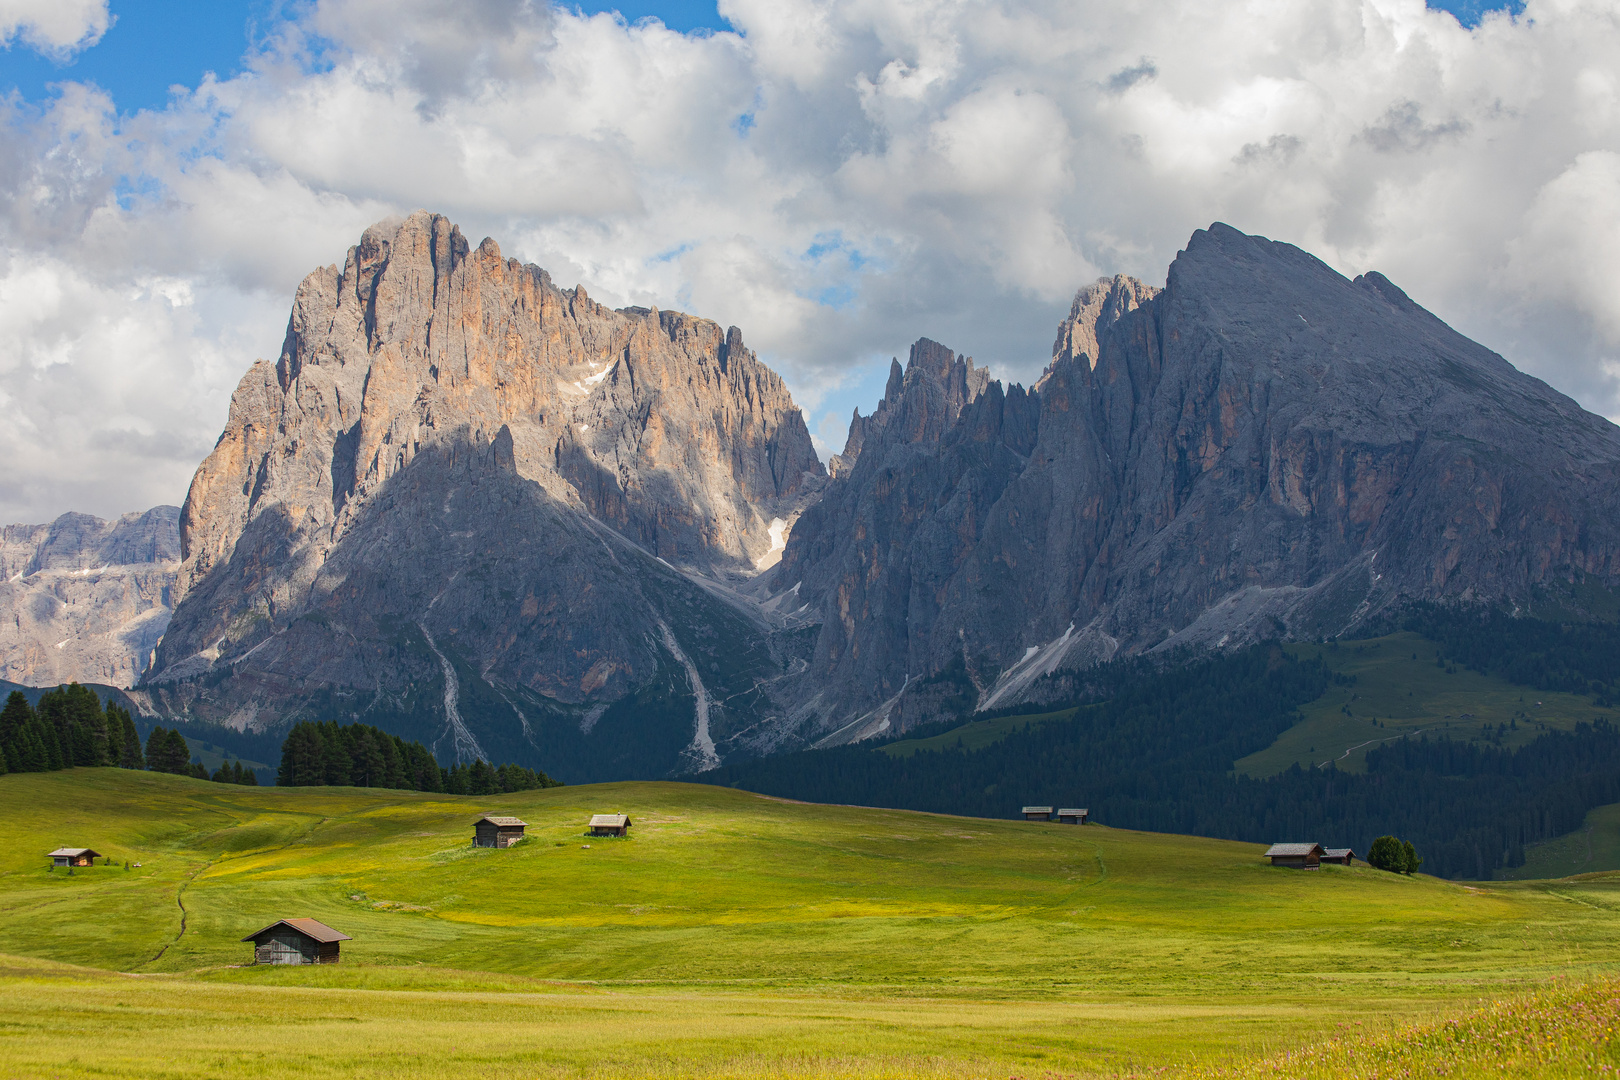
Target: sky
837 178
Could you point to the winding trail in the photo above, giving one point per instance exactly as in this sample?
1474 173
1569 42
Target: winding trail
180 898
1369 742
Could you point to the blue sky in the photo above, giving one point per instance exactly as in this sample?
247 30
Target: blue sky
851 176
155 44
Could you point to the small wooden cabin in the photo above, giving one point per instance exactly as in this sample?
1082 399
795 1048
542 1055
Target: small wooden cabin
1072 817
1296 856
73 856
296 941
497 831
1037 813
1342 855
610 825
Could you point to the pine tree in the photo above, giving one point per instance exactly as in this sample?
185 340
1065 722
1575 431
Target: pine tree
1409 858
250 778
15 719
156 740
481 779
129 755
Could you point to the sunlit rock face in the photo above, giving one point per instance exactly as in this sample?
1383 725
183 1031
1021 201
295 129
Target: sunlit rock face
1263 448
86 600
457 472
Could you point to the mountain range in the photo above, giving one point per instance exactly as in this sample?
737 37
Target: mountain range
481 510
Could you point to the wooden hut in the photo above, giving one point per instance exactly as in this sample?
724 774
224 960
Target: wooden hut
1342 855
1037 813
1072 817
296 941
1296 856
489 831
73 856
610 825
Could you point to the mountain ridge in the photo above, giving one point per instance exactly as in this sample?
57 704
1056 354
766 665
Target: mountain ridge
512 522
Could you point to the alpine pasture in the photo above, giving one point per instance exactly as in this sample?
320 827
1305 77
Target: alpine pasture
729 935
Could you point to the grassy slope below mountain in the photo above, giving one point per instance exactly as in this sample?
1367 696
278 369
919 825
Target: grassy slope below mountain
1592 848
1398 684
730 935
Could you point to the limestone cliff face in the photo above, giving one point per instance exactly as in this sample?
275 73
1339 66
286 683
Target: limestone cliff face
1264 447
455 462
86 600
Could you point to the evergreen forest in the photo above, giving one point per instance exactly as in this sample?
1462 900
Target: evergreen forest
1153 748
358 755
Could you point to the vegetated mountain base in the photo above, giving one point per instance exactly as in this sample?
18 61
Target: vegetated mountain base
730 935
1162 745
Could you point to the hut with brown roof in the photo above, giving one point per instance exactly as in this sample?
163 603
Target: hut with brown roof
610 825
296 941
490 831
1342 855
73 856
1296 856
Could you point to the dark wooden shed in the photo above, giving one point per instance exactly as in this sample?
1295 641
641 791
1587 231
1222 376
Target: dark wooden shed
296 941
1342 855
1037 813
610 825
1296 856
497 831
1072 817
73 856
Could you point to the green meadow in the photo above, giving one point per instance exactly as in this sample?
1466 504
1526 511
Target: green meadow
1398 691
730 935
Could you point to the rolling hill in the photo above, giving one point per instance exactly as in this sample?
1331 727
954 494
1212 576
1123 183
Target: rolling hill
732 934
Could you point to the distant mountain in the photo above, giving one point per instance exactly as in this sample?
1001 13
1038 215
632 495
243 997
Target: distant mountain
492 514
1265 448
86 600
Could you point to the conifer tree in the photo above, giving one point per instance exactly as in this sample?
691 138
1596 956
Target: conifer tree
1409 858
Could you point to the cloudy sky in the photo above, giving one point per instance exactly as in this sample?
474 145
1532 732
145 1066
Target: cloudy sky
837 177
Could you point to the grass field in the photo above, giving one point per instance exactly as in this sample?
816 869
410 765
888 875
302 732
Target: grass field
1407 696
731 935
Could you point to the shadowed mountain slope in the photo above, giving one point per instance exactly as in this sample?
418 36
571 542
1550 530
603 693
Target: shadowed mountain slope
1263 448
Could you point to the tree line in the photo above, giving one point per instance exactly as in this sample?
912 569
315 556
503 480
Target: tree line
69 728
319 754
1158 753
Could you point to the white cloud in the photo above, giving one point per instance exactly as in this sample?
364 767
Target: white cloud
56 28
837 178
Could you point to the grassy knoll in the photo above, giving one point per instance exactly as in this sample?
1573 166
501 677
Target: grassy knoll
1592 848
1407 696
975 734
732 934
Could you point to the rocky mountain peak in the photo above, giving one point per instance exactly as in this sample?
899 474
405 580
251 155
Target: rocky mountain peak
433 405
1096 307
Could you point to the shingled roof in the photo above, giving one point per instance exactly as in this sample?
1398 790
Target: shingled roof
503 822
1292 849
308 927
609 821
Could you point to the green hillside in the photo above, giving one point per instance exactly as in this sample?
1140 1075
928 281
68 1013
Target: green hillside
732 934
1399 691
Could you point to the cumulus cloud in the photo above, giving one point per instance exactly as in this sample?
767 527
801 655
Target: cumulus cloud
836 177
56 28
